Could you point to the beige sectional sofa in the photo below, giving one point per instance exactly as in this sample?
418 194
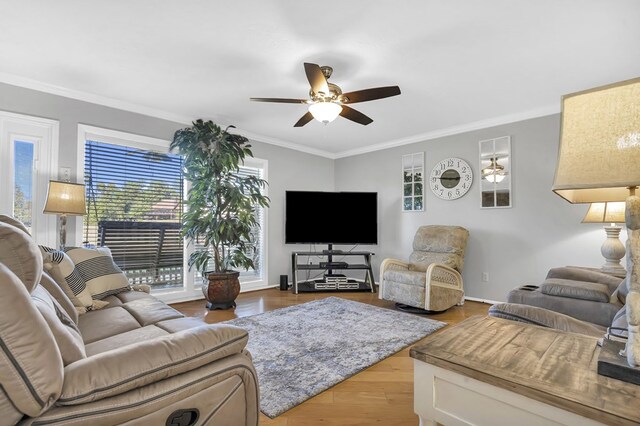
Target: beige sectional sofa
137 361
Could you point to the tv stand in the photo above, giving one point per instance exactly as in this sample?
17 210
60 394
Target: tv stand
330 266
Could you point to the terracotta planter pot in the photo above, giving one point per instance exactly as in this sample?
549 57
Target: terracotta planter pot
221 289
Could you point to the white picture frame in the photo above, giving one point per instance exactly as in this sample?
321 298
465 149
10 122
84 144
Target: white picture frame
413 199
496 178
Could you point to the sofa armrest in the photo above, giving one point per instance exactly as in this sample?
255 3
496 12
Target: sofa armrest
545 318
120 370
580 274
386 264
443 276
390 263
444 288
576 289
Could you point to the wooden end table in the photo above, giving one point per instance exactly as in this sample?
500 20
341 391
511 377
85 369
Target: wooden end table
490 371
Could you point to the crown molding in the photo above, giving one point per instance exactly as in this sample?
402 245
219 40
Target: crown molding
27 83
79 95
455 130
284 144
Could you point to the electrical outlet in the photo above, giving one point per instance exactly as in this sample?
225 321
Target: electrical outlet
64 174
485 277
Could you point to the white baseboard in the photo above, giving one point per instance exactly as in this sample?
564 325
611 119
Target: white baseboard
477 299
181 296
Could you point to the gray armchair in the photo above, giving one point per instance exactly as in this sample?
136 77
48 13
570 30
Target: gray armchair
430 281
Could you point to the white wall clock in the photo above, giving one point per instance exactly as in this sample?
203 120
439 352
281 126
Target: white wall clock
451 178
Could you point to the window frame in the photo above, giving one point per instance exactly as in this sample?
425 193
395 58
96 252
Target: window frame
189 290
43 133
248 284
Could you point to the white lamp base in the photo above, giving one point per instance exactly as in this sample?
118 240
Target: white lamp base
613 250
632 214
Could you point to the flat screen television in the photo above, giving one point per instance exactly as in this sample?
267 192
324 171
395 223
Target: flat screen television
331 217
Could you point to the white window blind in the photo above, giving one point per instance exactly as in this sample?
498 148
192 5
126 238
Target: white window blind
257 232
134 207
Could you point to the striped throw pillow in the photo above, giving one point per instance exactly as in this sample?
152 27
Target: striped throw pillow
98 270
63 271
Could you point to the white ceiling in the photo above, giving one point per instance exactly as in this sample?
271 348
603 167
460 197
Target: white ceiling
460 64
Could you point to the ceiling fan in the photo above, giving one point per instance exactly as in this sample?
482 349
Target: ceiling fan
327 100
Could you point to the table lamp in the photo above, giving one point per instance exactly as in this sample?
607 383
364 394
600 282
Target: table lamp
65 199
612 249
598 161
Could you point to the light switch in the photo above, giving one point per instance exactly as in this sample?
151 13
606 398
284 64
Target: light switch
64 174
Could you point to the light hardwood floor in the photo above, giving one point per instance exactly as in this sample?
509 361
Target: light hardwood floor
380 395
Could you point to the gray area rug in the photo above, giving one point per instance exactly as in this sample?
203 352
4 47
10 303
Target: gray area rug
302 350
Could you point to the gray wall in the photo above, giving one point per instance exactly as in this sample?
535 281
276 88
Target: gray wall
516 245
288 169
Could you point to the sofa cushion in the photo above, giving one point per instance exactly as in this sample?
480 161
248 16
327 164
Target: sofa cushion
62 269
150 310
127 338
57 293
97 268
439 244
64 330
20 254
98 325
586 310
179 324
420 260
130 296
112 301
415 278
30 364
576 289
581 274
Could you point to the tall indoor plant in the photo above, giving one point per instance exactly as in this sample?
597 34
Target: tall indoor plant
220 207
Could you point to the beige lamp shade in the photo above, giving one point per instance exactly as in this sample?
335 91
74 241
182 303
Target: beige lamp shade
65 198
605 213
599 155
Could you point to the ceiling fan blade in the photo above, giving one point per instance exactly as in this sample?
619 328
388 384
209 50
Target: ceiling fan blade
304 120
316 78
370 94
353 115
280 100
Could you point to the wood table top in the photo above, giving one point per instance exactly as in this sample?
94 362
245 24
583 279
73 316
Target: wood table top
547 365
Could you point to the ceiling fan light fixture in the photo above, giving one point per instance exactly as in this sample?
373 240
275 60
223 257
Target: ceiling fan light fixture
494 172
325 112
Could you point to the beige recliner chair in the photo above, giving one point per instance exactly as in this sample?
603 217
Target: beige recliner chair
431 280
137 362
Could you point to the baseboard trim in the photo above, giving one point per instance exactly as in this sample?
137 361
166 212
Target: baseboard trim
477 299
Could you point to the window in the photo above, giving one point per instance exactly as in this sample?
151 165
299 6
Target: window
256 274
256 277
135 192
134 207
23 167
28 160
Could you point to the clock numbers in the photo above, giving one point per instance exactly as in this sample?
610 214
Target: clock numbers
451 178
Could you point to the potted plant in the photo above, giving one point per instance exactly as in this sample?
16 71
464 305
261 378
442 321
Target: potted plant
220 207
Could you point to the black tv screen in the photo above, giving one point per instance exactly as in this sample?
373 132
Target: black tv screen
331 217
